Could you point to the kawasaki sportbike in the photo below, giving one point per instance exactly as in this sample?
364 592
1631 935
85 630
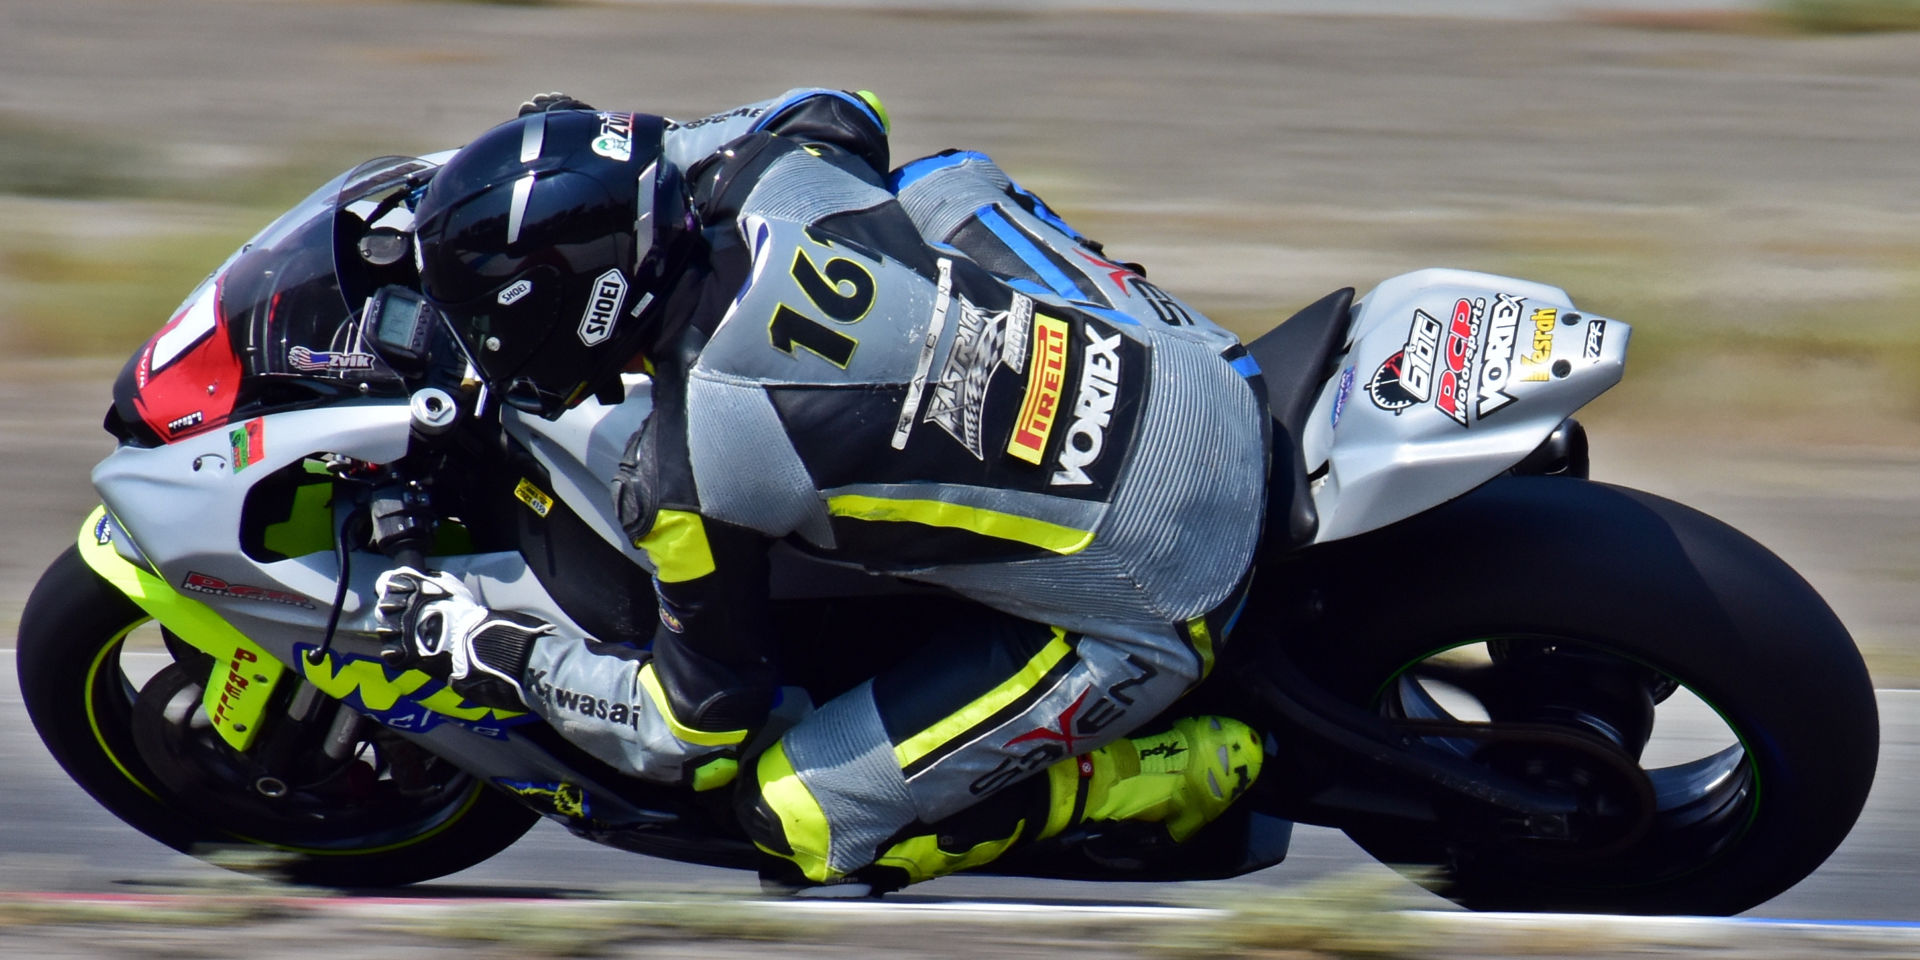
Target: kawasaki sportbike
1544 692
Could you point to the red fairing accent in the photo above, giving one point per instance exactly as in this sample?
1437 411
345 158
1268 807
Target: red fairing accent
196 385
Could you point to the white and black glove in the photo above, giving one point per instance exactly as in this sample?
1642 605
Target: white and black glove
431 622
556 100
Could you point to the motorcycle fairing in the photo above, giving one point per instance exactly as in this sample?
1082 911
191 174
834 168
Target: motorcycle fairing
187 377
1448 378
251 674
402 699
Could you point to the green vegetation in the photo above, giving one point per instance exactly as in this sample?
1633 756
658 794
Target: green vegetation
1360 914
86 298
1848 16
45 161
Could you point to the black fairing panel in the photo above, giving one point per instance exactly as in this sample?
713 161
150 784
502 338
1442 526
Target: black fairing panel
1295 359
607 594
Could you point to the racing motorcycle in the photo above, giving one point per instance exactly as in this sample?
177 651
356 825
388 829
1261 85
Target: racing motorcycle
1463 653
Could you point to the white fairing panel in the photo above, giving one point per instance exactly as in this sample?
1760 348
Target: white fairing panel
182 505
1448 378
180 508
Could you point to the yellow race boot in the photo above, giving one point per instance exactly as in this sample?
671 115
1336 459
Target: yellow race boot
1183 778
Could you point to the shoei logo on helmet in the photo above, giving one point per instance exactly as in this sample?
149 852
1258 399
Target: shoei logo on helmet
615 141
609 290
519 289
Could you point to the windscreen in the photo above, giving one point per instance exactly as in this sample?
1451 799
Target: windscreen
280 323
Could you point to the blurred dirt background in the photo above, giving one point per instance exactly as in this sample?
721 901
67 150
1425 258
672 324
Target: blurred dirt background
1741 191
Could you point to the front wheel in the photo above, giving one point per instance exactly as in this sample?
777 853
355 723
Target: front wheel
384 813
1700 703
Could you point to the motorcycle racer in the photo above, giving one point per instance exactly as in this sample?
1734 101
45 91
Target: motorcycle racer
923 373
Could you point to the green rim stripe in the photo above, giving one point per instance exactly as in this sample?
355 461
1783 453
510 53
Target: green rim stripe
93 718
198 625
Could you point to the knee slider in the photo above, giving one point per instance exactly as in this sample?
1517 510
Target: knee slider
782 818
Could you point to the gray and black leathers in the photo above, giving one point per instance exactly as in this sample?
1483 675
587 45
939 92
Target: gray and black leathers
929 376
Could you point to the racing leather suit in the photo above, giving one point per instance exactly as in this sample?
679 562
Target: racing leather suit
924 374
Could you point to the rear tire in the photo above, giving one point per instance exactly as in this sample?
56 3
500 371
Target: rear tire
72 633
1627 579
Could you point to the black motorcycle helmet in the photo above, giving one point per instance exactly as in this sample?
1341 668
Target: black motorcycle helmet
544 241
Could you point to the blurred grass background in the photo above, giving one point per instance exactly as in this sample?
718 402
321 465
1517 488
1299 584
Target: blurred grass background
1846 16
1735 315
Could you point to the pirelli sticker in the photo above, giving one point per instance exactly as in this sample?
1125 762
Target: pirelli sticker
1046 372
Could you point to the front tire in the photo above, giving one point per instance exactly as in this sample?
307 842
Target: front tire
72 636
1593 603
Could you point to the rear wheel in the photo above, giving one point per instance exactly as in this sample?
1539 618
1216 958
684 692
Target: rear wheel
377 812
1701 706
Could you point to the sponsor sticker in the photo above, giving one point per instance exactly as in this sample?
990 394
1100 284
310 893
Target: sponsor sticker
1387 386
1596 339
513 293
1438 362
1463 332
1045 377
535 498
316 361
1496 365
103 531
566 799
214 586
603 309
751 111
671 620
1541 351
558 698
1340 395
237 681
958 398
1406 378
1092 409
249 443
615 141
178 424
1019 321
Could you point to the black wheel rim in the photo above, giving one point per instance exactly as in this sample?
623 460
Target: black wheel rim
1704 788
188 769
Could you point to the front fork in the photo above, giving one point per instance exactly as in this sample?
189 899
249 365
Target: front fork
244 677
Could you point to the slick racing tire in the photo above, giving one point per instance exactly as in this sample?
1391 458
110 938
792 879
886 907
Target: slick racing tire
361 830
1593 612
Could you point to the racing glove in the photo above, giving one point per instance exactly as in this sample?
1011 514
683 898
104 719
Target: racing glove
431 622
556 100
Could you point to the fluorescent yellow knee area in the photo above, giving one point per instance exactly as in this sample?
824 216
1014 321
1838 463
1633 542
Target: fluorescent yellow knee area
802 821
714 774
1183 778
